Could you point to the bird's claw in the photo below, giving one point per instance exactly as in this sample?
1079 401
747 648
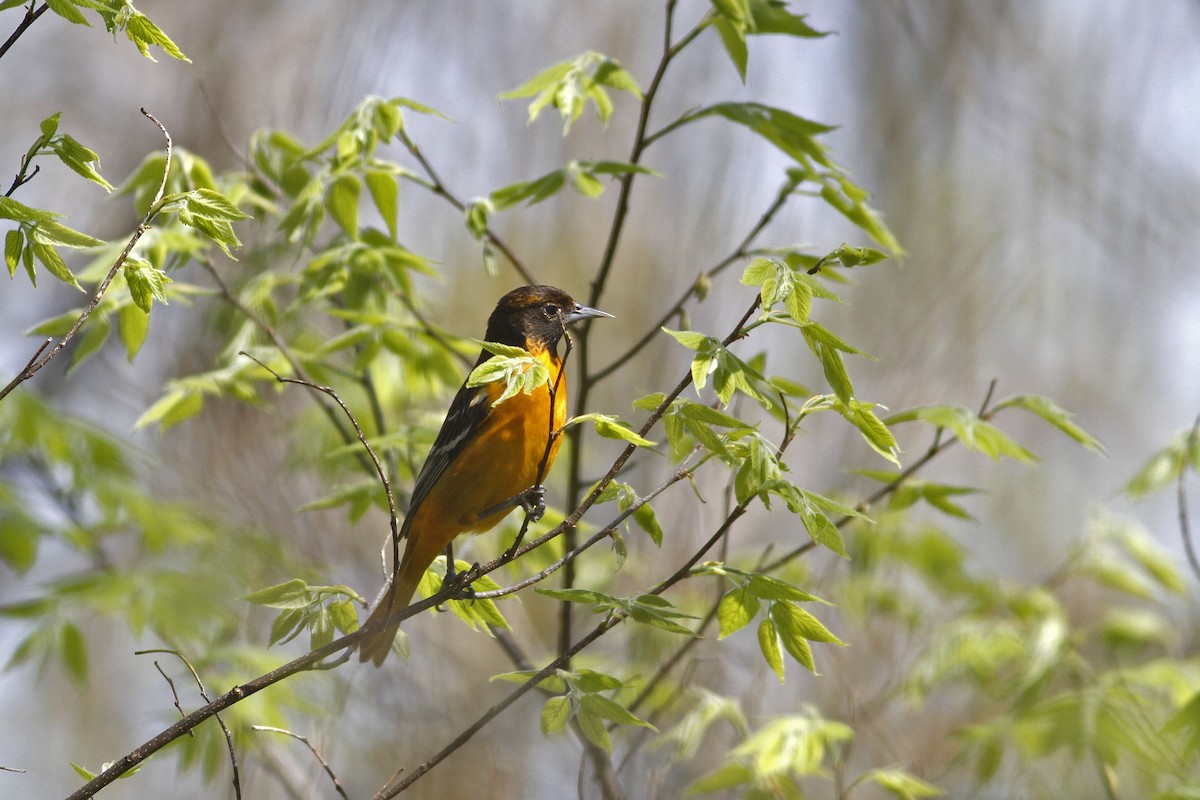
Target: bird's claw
533 501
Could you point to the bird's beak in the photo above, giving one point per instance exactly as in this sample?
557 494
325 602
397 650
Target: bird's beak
585 312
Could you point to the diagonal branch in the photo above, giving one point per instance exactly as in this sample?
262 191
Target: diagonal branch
31 16
312 749
38 361
439 188
237 782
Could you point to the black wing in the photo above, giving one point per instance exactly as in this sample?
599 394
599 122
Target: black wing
467 411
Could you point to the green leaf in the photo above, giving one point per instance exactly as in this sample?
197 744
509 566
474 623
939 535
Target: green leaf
876 434
737 609
19 536
79 159
1186 720
146 284
144 33
289 594
693 340
132 324
902 785
342 201
1162 469
82 772
68 11
556 713
532 192
968 428
74 652
608 709
594 729
520 374
727 776
53 262
768 643
60 235
1053 414
647 520
49 125
793 135
570 84
610 427
95 333
385 193
578 596
14 242
772 16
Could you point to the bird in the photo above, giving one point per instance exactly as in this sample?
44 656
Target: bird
487 456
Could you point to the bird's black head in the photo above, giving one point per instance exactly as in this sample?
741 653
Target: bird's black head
535 317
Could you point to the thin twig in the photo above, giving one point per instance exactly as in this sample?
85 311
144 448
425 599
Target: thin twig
438 187
30 17
604 533
37 363
20 179
237 783
705 276
270 332
12 769
174 694
316 754
362 438
1185 458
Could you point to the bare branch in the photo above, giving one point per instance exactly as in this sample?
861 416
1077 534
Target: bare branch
31 16
316 754
237 782
37 363
379 470
439 188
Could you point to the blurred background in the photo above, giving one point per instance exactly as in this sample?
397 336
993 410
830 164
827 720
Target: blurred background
1039 163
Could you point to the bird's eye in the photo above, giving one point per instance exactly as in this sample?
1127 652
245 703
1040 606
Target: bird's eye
550 310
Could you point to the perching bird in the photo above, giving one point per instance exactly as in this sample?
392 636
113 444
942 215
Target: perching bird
485 459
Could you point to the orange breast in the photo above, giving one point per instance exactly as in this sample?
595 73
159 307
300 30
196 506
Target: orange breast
502 460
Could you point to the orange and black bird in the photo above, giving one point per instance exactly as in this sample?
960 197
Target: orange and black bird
486 457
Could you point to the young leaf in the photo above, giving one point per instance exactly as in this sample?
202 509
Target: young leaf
342 202
610 427
49 258
132 325
289 594
973 432
556 713
385 193
146 284
768 643
736 610
1053 414
144 34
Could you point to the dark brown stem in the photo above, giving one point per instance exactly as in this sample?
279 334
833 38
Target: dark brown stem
31 16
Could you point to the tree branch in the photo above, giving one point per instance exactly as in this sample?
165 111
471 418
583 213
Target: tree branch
237 783
37 362
439 188
312 749
31 16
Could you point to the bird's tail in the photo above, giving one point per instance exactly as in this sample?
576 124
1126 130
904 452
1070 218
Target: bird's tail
377 642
